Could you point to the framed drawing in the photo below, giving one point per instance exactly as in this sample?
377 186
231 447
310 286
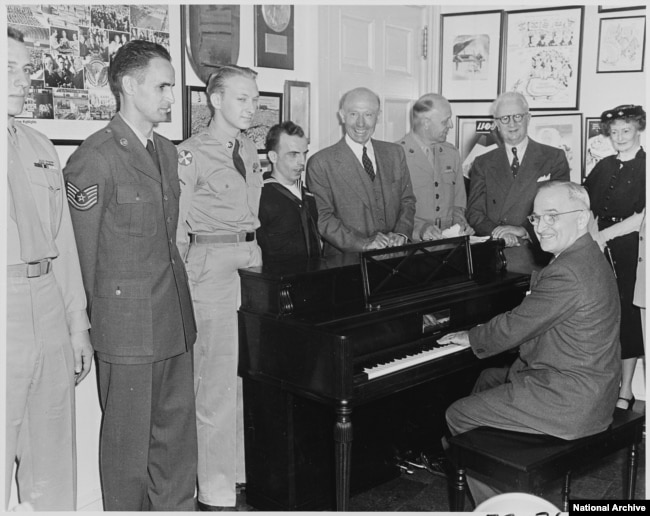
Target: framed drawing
542 56
474 136
470 56
274 36
563 132
269 113
621 44
612 8
597 145
197 112
71 47
297 104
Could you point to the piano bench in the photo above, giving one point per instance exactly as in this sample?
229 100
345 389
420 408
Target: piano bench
515 461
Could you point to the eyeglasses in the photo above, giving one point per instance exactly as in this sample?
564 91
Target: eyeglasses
506 119
548 218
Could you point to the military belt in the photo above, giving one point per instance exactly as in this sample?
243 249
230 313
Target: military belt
30 270
225 238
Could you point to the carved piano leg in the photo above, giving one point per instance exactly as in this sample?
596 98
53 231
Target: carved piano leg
343 448
632 468
460 483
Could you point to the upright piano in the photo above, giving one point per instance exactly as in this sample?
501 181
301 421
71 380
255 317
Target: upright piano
349 342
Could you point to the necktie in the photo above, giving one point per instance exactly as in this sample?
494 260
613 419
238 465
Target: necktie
154 155
367 164
237 161
515 162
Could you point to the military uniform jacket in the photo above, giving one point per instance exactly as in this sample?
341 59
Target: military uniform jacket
439 188
565 381
125 214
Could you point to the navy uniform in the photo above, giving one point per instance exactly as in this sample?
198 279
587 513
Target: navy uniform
438 184
125 212
45 304
216 236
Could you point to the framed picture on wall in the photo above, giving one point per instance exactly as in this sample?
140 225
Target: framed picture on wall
542 56
564 132
597 145
612 8
197 112
621 44
297 104
269 113
470 56
474 136
82 39
274 36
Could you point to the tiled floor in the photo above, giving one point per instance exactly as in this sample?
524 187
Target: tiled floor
422 491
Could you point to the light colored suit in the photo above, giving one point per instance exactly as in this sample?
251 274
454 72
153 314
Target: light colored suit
350 207
439 187
497 198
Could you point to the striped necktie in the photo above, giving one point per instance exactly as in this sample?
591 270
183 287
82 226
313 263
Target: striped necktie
367 164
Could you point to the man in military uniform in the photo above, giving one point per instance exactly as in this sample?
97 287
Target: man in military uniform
122 184
48 347
221 183
435 169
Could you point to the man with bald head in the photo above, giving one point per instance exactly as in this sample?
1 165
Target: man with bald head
504 181
435 168
362 186
565 379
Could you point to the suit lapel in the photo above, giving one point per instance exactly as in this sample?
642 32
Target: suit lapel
351 171
528 173
138 156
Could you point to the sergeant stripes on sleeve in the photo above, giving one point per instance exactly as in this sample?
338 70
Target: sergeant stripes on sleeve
82 199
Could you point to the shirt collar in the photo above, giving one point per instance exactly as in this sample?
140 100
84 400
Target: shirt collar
143 139
357 148
521 149
221 136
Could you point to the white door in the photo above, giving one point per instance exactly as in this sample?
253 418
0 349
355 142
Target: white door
376 46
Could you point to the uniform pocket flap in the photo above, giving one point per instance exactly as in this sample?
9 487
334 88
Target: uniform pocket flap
133 193
124 286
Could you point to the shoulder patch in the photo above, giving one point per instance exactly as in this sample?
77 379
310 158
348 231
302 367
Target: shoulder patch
185 157
82 200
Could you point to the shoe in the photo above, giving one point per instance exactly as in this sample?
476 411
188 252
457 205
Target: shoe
629 401
240 487
440 466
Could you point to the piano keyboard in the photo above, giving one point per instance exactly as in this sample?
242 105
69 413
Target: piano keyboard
411 360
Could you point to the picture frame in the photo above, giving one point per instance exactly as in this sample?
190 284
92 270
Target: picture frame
474 136
64 111
621 44
563 131
197 111
611 9
297 104
597 145
542 57
470 56
274 36
269 113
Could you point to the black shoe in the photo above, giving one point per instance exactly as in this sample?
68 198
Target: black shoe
440 466
240 487
204 507
629 401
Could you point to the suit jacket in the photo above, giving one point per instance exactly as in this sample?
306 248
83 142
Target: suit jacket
288 225
439 190
125 214
565 381
348 212
496 198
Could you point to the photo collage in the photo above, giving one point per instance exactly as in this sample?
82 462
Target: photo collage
71 48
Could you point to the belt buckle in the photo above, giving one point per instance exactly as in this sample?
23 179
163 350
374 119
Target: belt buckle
38 269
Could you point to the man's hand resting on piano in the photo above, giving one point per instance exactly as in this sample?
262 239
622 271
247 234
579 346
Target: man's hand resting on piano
379 241
460 337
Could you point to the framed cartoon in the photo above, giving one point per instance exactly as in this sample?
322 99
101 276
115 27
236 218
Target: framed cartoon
297 104
474 136
597 145
563 132
542 56
613 8
470 56
197 112
621 44
269 113
71 47
274 36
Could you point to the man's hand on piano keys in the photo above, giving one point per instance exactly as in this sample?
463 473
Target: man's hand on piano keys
460 337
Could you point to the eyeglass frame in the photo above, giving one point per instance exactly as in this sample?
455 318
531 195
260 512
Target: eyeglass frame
552 216
513 117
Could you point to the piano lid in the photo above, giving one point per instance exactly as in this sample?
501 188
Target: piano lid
405 273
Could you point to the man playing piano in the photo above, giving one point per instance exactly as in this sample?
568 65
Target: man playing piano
565 380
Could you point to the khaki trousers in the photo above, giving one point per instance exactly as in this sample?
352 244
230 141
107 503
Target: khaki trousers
216 293
40 395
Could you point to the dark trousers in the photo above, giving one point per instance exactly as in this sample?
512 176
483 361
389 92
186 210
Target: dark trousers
148 450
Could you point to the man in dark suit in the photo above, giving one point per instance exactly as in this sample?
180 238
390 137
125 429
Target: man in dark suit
504 181
288 216
362 186
565 380
123 188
